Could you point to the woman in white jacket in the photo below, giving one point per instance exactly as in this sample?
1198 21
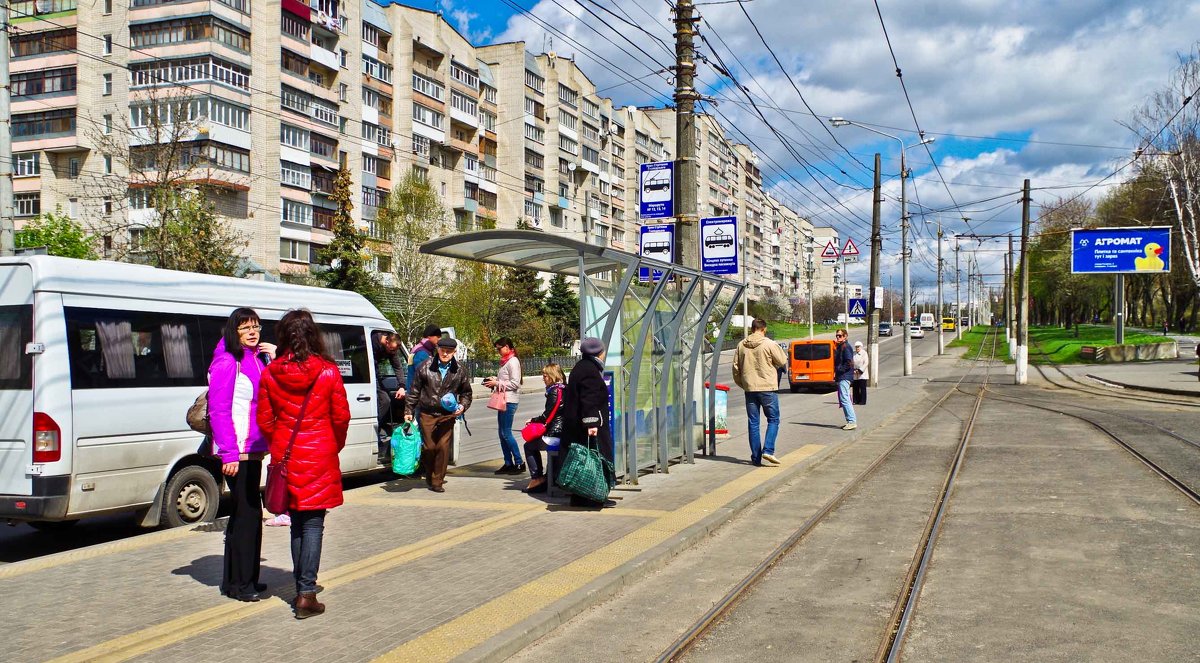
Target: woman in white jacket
507 381
862 361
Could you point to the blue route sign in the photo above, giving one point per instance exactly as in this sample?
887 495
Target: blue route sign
656 190
1121 250
657 242
719 245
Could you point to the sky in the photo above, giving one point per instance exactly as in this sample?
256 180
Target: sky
1008 90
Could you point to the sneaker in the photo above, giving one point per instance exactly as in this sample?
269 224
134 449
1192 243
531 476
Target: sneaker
282 520
770 459
850 426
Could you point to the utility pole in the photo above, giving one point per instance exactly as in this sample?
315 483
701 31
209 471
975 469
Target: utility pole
908 367
1022 373
687 164
7 227
1010 309
940 300
891 298
810 271
957 292
872 305
970 289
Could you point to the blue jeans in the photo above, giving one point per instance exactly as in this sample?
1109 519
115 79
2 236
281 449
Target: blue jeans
508 443
308 528
845 402
769 402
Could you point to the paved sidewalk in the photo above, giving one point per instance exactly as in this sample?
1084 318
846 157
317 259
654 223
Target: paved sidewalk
1167 377
409 575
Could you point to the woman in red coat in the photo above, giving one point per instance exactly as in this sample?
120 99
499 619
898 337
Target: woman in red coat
303 372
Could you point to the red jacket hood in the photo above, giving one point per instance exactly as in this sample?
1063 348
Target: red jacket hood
297 376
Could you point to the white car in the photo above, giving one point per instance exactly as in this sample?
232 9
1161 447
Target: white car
915 331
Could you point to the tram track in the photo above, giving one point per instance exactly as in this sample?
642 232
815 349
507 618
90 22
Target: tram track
1083 387
906 603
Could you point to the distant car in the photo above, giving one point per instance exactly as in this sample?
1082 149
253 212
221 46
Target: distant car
885 329
964 321
915 331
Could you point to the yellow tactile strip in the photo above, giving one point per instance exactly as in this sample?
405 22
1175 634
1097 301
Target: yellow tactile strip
458 636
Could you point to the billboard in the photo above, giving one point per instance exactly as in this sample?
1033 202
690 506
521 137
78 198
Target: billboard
1121 250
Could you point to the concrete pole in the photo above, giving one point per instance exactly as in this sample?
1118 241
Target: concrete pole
940 300
1010 308
891 297
7 227
958 310
908 367
1022 373
872 305
745 286
687 163
970 289
1119 308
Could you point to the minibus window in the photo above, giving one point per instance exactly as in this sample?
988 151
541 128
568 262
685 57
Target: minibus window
348 347
16 329
113 349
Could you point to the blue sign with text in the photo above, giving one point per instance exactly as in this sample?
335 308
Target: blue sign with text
658 242
1121 250
719 245
656 190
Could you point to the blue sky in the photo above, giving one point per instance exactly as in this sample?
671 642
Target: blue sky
1010 89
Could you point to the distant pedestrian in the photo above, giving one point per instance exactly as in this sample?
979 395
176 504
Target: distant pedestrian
302 398
585 411
552 417
755 369
843 373
1166 328
506 385
441 389
390 375
862 374
233 378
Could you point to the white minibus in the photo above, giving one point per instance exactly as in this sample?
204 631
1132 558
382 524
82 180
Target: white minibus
99 362
927 321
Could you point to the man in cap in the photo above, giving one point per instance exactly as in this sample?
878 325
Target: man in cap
433 380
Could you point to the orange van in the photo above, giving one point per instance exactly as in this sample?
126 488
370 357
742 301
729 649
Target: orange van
810 363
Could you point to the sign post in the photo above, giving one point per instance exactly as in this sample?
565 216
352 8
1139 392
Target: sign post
849 254
1120 251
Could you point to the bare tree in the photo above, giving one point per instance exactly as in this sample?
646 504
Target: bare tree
1167 125
168 167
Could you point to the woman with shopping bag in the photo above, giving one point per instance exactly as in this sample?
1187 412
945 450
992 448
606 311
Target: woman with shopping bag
505 386
585 421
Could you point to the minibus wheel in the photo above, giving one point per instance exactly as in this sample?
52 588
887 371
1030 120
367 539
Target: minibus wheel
192 496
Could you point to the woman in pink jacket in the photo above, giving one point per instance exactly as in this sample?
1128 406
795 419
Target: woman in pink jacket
233 378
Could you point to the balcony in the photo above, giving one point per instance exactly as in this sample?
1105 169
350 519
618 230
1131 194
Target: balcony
324 57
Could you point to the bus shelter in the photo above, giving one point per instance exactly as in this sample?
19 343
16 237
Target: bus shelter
659 322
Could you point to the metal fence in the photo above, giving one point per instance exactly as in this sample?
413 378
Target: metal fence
529 365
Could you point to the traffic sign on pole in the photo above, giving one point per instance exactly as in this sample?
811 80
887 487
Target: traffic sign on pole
830 252
851 249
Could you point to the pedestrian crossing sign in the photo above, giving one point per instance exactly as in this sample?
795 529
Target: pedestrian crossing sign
858 308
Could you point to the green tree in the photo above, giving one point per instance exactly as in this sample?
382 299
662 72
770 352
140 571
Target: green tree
188 236
346 255
411 215
60 234
562 309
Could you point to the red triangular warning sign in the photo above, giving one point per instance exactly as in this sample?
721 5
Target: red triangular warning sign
830 250
850 249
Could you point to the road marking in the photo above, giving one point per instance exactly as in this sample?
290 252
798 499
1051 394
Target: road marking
135 644
501 506
460 635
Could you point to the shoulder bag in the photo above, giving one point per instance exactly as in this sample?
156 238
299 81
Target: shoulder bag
276 497
499 400
197 414
533 430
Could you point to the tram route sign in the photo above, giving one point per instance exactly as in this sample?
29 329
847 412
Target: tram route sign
1143 250
719 245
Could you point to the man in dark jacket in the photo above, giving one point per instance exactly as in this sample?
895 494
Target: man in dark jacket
585 409
434 380
843 372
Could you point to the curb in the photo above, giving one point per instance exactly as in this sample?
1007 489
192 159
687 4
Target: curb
511 641
1138 387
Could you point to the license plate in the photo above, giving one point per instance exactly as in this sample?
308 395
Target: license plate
801 377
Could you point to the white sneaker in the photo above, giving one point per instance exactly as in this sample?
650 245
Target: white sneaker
850 426
282 520
770 459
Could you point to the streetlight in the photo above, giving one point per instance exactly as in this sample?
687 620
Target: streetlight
841 122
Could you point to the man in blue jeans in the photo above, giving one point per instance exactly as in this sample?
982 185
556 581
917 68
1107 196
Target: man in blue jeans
843 372
755 370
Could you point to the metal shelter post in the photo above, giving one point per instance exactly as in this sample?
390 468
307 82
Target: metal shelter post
693 367
631 392
672 337
739 290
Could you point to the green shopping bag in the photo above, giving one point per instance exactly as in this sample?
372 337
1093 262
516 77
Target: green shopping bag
406 448
583 472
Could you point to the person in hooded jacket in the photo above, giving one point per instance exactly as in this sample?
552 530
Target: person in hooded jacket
755 364
233 380
585 411
302 391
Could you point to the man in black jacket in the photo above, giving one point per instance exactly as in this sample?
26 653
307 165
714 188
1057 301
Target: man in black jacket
585 409
434 379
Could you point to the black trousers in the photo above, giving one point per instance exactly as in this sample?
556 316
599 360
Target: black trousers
243 535
858 391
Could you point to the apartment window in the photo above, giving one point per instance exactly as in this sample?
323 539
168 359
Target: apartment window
489 94
294 100
591 109
370 164
295 175
422 174
27 204
377 69
108 82
376 133
178 31
73 168
533 211
27 164
535 82
297 212
568 145
40 43
464 103
295 251
534 160
429 87
191 70
293 136
618 151
30 125
535 108
108 124
46 81
567 96
427 116
464 75
487 120
536 134
292 25
326 112
567 120
420 145
108 206
564 190
590 154
342 56
373 197
108 43
564 166
293 63
204 153
230 115
322 146
590 133
108 164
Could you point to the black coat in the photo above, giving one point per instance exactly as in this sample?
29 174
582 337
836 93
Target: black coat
585 405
